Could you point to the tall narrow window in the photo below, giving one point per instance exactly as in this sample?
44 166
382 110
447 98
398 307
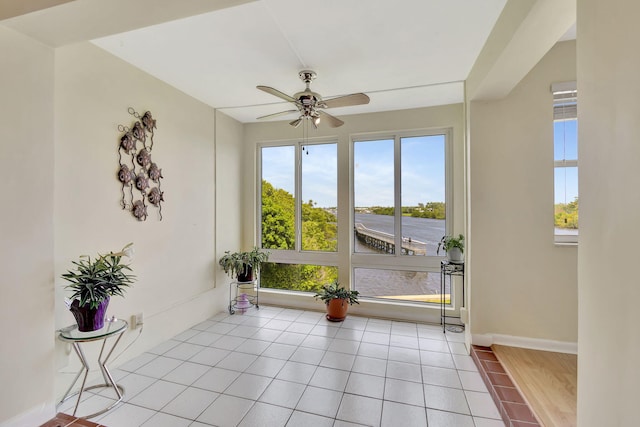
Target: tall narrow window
278 198
319 198
565 142
422 193
399 193
298 211
373 188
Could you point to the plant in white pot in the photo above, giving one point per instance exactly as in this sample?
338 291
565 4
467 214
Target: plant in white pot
93 282
454 247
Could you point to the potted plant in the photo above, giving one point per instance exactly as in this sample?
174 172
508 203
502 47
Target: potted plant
93 282
454 247
337 299
242 265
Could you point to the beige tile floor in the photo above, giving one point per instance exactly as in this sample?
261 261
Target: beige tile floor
281 367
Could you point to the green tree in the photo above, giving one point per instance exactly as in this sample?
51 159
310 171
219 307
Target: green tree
319 232
319 229
297 277
380 210
566 214
278 210
435 210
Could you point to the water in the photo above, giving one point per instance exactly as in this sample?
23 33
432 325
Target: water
394 283
426 230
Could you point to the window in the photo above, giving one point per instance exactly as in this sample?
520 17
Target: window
565 142
398 198
400 213
298 212
404 206
296 277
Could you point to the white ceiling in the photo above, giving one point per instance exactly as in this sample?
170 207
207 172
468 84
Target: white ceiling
403 54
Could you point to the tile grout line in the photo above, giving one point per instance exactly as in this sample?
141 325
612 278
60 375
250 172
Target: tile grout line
343 340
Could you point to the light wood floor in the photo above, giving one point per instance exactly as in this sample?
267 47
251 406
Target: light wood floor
547 380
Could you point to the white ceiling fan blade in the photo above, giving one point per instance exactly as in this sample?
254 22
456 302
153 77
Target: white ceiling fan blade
332 121
281 113
347 100
277 93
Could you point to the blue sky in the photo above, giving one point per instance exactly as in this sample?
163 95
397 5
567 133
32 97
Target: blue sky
422 171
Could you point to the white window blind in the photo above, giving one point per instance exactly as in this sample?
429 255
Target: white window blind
565 97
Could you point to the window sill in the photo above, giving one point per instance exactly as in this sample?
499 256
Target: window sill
566 238
565 244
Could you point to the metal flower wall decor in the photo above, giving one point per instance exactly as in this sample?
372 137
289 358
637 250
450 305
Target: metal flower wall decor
137 169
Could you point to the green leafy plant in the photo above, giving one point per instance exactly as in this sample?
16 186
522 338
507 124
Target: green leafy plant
94 280
449 242
335 291
237 262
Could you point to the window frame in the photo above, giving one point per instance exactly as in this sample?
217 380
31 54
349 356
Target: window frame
428 263
296 255
345 258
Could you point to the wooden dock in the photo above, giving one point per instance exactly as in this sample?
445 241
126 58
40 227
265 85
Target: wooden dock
385 242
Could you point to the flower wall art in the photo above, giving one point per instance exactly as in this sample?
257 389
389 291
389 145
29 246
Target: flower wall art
137 170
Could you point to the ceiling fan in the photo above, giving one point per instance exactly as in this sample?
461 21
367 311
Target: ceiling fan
310 104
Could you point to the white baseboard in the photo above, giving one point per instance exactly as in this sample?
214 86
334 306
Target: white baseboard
34 417
487 340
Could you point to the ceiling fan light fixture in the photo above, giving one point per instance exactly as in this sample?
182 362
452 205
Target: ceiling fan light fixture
311 104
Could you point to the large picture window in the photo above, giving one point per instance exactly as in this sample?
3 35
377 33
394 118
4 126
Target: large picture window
565 156
398 209
400 214
401 207
298 212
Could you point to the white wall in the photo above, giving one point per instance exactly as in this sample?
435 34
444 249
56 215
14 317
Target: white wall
448 116
231 171
521 284
26 245
52 215
609 135
175 258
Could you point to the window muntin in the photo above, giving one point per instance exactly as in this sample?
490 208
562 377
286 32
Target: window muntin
565 156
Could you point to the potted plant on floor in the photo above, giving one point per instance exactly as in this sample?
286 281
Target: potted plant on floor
337 299
454 247
243 265
93 282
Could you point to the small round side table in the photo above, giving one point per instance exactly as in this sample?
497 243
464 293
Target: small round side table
113 328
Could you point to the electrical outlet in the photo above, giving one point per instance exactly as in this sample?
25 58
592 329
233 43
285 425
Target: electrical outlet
136 320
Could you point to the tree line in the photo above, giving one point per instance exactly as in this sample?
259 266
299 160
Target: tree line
566 214
433 210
